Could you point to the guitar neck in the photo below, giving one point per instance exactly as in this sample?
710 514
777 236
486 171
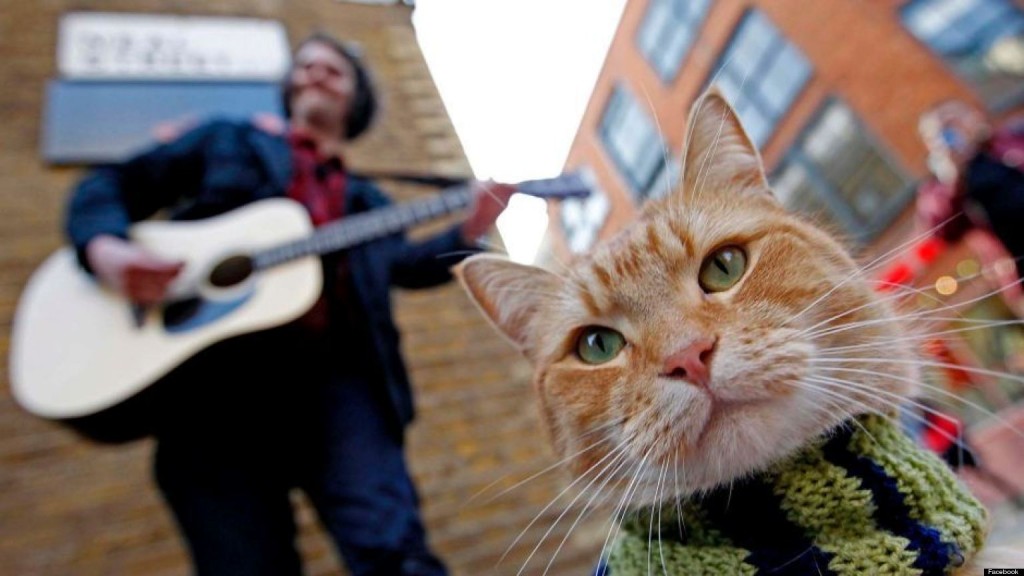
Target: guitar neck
364 227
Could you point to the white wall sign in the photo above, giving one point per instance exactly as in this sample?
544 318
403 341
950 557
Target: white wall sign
108 46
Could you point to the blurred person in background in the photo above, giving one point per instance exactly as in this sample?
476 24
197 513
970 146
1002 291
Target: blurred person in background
320 404
976 191
959 376
944 434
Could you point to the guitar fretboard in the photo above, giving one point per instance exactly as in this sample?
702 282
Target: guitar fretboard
359 228
366 226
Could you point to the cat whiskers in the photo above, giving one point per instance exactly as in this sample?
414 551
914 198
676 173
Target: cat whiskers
859 387
609 474
583 512
929 315
600 474
835 400
935 389
623 507
679 493
918 362
922 332
650 529
882 343
556 466
847 384
901 292
873 302
661 134
617 452
661 504
878 262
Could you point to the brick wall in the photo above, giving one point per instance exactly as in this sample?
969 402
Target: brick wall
70 507
858 50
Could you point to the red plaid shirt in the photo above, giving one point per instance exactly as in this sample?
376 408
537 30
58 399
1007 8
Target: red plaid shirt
318 183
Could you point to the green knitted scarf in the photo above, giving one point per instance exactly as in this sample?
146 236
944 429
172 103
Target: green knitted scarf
865 500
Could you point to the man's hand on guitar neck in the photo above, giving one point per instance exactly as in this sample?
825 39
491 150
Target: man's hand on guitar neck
138 274
489 199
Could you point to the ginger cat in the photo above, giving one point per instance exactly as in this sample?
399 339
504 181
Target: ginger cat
726 364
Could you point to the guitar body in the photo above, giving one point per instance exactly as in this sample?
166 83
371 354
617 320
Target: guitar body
78 350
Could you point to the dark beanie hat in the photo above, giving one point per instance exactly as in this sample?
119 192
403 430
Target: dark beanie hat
364 102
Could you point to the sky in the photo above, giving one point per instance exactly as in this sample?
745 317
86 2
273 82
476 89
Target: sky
515 77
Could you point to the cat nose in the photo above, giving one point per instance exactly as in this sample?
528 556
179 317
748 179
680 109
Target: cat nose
691 362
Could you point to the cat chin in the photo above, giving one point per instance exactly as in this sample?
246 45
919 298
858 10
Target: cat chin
735 441
747 440
704 472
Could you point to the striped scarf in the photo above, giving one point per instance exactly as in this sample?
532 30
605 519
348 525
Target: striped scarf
866 500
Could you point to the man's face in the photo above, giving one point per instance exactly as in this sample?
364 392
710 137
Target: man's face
323 84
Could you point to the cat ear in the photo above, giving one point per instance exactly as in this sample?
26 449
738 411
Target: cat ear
719 154
510 295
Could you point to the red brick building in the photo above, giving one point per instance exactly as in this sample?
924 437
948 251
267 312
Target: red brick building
831 92
804 77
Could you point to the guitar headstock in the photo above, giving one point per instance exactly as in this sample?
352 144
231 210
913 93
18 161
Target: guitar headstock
576 184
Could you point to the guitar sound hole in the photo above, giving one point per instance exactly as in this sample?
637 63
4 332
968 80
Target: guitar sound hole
231 271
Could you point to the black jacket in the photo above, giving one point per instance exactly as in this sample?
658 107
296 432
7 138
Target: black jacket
223 165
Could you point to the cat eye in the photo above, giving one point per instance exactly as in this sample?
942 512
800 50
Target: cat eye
722 269
597 344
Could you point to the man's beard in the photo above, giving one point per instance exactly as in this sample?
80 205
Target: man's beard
320 115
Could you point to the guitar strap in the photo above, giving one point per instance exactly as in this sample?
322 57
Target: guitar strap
422 178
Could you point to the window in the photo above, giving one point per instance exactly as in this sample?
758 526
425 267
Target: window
668 31
632 140
837 174
582 219
983 40
761 74
667 178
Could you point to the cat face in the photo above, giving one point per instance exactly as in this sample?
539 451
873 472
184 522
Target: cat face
704 342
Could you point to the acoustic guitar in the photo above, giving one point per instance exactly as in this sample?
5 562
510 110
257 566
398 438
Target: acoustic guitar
80 350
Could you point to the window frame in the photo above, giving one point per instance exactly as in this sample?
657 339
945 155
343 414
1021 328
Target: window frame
693 21
956 62
842 212
638 189
776 46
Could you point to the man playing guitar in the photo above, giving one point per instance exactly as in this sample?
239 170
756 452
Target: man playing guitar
320 404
